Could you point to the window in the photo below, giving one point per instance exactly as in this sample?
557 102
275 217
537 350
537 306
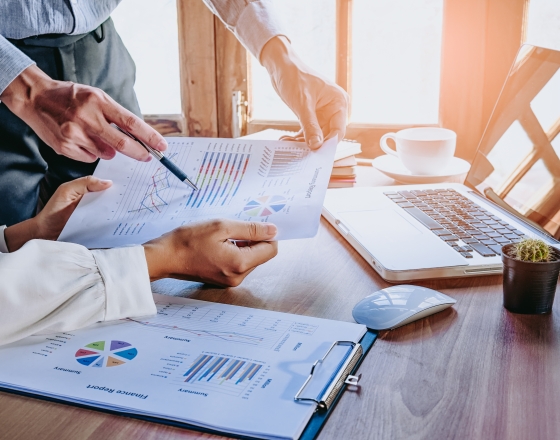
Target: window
385 53
311 26
149 31
404 62
396 55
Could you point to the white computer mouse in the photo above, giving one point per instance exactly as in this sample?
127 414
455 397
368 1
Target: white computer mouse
394 306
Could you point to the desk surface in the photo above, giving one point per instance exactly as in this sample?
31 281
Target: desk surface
472 371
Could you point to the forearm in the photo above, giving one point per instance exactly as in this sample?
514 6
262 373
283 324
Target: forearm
251 21
278 55
20 93
12 63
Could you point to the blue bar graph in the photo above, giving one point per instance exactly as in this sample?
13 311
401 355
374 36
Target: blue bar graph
222 373
219 178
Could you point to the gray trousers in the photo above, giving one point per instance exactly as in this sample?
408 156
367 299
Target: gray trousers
30 171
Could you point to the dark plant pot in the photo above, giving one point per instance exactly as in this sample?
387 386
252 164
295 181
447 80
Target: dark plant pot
529 287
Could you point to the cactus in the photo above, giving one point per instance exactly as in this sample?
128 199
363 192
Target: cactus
533 250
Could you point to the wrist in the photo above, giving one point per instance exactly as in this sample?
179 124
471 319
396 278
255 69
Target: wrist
277 54
154 261
21 92
19 234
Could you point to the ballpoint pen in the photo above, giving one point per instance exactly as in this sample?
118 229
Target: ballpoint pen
162 159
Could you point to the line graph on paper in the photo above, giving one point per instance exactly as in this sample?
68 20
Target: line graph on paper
211 322
154 199
153 192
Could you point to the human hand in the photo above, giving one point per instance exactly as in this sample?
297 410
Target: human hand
320 105
48 224
204 251
74 120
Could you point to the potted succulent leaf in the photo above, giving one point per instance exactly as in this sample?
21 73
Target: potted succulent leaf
531 270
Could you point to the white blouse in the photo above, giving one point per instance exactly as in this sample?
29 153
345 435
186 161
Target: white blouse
49 286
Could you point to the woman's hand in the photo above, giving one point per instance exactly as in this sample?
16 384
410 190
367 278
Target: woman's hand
205 252
48 224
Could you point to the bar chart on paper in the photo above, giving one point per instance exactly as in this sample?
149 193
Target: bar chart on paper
239 179
223 374
217 171
219 178
282 162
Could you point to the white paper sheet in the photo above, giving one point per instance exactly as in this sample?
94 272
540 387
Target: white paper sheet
223 367
245 179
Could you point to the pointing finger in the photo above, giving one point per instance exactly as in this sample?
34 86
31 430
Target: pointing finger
131 123
124 144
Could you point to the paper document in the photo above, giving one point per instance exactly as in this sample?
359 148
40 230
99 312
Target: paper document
252 180
222 367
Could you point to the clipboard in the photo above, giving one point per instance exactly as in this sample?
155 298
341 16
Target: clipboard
315 424
338 385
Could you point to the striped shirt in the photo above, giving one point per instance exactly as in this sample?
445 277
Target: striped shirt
250 20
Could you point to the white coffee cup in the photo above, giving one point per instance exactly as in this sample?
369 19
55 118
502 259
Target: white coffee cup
423 150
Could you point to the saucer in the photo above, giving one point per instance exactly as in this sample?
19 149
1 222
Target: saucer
391 166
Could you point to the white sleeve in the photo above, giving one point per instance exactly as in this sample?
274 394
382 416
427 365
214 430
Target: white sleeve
49 286
3 245
252 21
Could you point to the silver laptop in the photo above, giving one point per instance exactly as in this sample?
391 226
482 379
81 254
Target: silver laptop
512 190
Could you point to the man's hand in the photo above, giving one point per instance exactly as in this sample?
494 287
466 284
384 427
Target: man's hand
48 224
75 120
320 105
204 252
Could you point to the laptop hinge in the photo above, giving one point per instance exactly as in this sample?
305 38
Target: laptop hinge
511 213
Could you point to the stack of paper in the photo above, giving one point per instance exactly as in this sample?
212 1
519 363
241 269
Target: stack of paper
343 174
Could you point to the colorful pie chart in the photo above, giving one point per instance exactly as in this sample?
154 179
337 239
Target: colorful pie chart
102 354
265 206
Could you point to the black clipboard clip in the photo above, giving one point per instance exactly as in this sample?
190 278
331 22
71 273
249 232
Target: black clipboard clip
337 379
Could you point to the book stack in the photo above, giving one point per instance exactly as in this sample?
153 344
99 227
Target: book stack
343 174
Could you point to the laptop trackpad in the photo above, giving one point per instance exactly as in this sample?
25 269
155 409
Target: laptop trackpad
396 242
382 224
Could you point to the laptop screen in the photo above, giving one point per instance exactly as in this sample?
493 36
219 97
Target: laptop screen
518 158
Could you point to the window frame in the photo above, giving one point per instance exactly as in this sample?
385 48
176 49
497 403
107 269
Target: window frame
485 33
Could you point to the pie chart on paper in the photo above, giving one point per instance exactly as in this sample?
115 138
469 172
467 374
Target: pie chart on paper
101 354
265 206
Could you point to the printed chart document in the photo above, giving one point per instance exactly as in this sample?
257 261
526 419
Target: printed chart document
217 366
244 179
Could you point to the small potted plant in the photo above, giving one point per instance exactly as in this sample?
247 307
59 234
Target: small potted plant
531 270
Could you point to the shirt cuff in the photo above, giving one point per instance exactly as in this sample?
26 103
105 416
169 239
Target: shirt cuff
3 245
127 282
12 62
256 26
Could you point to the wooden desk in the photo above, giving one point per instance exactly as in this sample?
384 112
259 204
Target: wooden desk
473 371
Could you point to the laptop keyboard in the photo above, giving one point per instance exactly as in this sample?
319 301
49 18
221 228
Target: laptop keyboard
458 221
